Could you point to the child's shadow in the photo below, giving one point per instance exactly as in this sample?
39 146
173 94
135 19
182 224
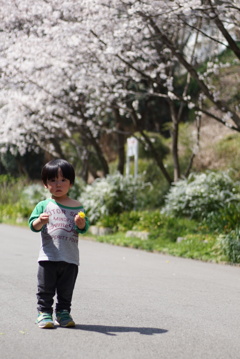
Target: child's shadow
113 330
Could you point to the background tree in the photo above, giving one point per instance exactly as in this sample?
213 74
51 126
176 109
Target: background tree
66 65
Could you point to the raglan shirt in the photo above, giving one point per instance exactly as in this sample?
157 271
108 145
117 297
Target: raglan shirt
60 235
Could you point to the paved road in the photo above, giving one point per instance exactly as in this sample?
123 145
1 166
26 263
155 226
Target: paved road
127 304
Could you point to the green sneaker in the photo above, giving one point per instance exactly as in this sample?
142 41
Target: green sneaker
44 320
64 319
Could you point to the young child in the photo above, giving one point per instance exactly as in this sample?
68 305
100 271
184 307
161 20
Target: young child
59 221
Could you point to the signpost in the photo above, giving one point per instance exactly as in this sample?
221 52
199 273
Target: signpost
132 151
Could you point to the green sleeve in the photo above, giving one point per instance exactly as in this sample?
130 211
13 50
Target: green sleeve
40 208
84 230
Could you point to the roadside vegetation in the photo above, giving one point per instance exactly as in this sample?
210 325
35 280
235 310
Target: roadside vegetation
199 218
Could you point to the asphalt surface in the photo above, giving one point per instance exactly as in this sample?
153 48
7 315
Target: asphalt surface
127 304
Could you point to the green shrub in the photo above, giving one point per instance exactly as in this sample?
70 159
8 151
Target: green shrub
165 227
109 221
178 227
200 195
150 221
18 199
225 219
14 211
157 224
10 188
230 244
127 220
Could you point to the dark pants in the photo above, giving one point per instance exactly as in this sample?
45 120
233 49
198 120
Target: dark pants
55 278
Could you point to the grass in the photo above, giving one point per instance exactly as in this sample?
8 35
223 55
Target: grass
194 246
229 149
199 242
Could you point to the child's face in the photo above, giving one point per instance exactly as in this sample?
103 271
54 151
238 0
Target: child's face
58 186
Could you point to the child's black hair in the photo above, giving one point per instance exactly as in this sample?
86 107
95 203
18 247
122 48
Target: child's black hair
50 170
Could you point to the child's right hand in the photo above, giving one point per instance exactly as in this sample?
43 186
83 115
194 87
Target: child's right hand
40 221
43 218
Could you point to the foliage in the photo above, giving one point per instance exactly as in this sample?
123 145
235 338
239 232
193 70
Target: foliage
200 239
157 141
153 195
166 227
12 206
111 221
77 188
27 164
227 152
10 188
120 222
157 224
225 219
34 193
128 220
15 212
230 244
18 198
111 195
201 194
227 56
195 246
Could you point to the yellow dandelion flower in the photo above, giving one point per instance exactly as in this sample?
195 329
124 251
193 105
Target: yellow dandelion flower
81 214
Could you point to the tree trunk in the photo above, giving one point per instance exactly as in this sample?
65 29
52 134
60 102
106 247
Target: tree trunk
157 158
175 133
232 44
120 141
92 140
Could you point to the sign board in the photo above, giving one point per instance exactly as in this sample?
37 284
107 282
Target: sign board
132 151
132 146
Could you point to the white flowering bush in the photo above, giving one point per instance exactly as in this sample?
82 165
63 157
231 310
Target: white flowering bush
34 193
113 194
201 194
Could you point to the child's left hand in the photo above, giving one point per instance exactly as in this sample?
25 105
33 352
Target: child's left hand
80 221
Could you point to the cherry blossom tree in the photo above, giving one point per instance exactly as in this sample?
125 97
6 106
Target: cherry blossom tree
71 71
